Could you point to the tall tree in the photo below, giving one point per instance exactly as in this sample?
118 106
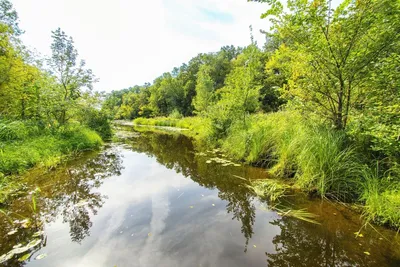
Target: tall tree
204 90
9 16
72 76
331 53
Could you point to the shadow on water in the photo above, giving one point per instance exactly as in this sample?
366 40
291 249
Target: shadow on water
74 194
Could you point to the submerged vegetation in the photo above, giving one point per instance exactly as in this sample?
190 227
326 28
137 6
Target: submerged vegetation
317 105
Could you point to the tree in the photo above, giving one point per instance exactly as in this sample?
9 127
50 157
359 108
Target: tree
204 90
332 53
73 77
242 90
9 17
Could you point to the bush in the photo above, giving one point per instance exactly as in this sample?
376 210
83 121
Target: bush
175 114
15 130
98 121
79 138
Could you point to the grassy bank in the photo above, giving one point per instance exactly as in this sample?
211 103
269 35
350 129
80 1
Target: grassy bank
200 128
317 159
24 146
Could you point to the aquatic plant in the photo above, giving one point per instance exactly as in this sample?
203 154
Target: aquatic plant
269 188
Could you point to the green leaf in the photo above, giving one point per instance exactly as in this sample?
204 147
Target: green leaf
25 257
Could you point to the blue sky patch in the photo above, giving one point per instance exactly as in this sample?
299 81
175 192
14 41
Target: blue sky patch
216 16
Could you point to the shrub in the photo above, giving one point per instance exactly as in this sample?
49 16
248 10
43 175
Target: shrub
15 130
98 121
175 114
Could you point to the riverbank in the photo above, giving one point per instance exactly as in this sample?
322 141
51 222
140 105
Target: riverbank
24 147
316 159
122 191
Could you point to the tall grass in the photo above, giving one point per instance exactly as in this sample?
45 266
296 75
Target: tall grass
381 197
47 150
316 158
199 127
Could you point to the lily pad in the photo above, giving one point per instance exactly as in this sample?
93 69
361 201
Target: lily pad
38 234
12 232
41 256
17 245
25 257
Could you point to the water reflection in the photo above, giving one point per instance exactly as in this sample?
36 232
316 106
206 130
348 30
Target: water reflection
72 193
177 152
145 215
333 243
69 192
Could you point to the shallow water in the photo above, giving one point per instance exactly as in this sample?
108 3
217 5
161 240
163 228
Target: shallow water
153 200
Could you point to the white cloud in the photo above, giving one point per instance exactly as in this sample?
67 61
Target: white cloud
128 42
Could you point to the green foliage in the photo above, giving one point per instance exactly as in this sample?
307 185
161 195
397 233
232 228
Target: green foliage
204 90
381 196
14 130
269 188
330 59
316 157
48 150
175 114
72 77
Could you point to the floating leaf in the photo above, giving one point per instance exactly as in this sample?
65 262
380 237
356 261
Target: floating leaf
6 257
38 234
254 246
191 207
25 257
41 256
208 161
367 253
12 232
358 234
149 234
19 250
213 205
18 245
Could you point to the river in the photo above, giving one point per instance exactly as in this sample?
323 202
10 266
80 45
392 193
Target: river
154 199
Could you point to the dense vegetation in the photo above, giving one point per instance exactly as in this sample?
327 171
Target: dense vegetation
47 110
318 104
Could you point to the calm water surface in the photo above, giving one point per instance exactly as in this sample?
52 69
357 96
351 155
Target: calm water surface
152 200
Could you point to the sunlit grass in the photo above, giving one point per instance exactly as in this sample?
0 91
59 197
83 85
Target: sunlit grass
269 188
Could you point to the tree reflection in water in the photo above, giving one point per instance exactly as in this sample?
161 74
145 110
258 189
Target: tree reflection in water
68 191
72 193
177 152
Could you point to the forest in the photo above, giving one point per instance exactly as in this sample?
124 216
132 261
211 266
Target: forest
48 111
318 104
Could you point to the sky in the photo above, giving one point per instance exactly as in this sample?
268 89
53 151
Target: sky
129 42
